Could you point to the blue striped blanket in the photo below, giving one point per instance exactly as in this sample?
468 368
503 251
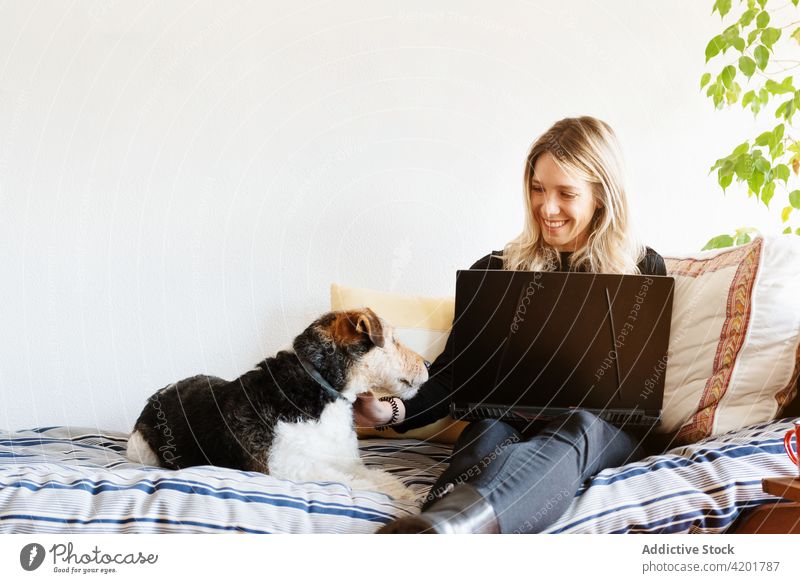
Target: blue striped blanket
74 480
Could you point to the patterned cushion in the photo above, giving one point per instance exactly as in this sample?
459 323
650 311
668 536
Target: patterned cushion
733 352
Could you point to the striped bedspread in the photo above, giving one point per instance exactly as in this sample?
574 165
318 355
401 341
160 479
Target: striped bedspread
73 480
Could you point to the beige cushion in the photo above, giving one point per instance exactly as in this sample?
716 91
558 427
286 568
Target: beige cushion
733 351
423 324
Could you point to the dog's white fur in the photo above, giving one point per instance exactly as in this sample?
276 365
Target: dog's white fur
327 451
140 452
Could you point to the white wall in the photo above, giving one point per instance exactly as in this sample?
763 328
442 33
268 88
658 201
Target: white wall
180 182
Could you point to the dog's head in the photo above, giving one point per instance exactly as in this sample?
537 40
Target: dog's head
356 351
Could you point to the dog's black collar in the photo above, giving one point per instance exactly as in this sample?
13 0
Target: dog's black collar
314 374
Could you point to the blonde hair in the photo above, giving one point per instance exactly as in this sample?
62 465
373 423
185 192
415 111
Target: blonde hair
585 148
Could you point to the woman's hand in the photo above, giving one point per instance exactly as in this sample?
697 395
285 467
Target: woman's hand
370 412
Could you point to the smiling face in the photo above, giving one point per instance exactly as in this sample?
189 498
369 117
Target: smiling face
562 205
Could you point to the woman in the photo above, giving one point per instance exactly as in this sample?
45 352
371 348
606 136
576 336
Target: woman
521 479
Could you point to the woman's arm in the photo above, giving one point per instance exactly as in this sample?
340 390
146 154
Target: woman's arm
652 264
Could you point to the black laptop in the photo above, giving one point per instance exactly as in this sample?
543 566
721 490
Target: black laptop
534 345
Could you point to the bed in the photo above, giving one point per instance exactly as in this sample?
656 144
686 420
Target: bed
734 364
77 480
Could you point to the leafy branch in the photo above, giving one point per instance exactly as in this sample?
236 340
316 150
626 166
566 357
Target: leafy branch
774 155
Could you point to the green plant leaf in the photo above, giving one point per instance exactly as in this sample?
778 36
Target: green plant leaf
747 17
720 163
742 239
796 35
718 242
741 149
770 36
786 110
761 54
714 47
744 167
788 231
716 91
761 164
781 111
747 66
704 79
723 6
776 151
755 101
731 38
752 36
725 166
763 19
727 76
794 199
762 3
756 181
732 94
779 88
782 172
767 193
787 210
764 139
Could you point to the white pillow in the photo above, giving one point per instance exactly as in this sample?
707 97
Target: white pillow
733 351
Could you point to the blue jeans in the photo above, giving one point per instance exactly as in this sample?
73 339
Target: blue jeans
531 482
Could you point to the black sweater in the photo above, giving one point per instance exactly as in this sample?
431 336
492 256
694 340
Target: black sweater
433 400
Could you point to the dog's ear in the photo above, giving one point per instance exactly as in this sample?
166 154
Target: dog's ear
351 327
368 323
